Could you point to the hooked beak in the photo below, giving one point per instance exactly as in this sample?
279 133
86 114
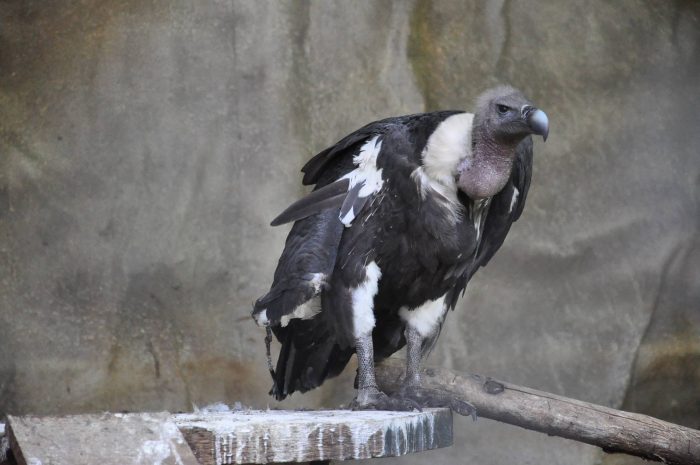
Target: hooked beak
537 120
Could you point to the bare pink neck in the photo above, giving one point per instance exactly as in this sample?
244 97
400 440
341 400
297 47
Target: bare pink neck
488 170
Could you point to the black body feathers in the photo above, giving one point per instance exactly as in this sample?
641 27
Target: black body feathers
379 201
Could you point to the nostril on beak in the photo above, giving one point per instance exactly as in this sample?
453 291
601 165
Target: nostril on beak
525 110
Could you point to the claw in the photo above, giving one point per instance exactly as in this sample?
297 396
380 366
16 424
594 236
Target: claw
407 402
463 408
374 399
436 398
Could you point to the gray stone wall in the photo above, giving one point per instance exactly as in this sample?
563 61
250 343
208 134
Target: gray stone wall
145 145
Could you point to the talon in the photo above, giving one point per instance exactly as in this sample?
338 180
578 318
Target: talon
463 408
408 401
374 399
435 398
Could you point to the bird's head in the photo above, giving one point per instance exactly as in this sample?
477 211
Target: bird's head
503 118
504 115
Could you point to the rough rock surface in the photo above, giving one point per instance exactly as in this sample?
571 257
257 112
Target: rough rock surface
145 146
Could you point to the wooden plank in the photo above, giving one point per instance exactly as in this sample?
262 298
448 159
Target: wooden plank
612 430
143 438
265 436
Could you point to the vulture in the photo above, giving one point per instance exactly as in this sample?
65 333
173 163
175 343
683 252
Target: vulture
403 213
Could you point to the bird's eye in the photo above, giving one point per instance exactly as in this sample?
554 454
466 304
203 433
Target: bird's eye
502 109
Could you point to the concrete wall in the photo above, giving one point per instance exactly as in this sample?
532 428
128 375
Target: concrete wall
145 145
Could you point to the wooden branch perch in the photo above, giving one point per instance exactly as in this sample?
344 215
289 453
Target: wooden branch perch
612 430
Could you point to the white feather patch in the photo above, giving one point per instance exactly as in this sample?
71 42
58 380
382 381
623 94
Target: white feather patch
305 311
363 301
261 318
317 281
514 199
349 216
447 193
447 146
366 173
426 318
478 209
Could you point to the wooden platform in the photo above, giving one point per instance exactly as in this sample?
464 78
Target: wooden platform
225 437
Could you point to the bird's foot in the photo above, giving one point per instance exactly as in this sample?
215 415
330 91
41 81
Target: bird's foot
374 399
427 398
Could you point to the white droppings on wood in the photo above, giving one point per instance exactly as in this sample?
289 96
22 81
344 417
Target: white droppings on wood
216 451
154 451
138 438
298 436
159 450
319 442
219 407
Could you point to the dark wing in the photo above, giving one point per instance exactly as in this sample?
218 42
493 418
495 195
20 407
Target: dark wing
329 196
311 350
351 143
352 195
353 161
315 167
505 208
307 259
346 177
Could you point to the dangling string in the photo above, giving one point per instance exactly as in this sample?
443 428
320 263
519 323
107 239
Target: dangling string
268 340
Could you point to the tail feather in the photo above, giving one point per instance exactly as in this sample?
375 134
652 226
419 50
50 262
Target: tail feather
309 355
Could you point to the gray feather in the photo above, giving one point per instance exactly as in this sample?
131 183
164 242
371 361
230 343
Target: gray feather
330 196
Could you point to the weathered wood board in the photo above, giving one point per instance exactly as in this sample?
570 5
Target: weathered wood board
274 436
143 438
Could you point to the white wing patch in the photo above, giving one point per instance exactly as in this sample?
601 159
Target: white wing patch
261 318
514 199
305 311
348 217
366 175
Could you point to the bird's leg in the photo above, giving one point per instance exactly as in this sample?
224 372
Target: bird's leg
368 394
414 354
411 388
366 383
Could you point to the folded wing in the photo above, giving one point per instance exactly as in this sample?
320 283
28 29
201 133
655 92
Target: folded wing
504 209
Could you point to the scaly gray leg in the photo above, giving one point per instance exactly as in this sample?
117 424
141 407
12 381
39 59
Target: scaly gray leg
369 397
412 389
414 355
